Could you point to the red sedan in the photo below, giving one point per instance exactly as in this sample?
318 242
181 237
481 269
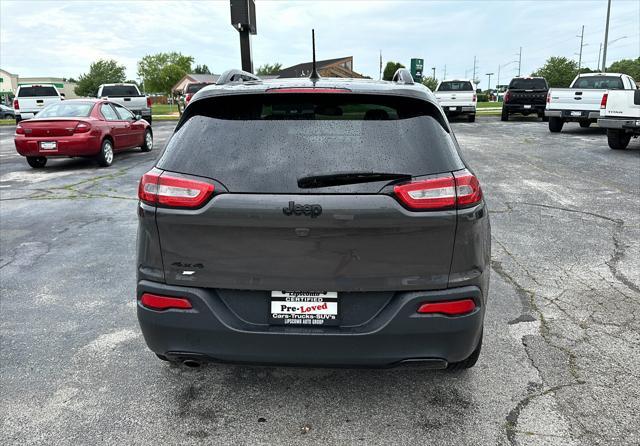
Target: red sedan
81 127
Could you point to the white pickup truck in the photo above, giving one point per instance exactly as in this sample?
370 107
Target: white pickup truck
457 97
128 96
581 101
30 99
620 115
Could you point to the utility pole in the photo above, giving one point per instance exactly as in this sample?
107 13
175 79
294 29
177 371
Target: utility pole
581 46
380 78
445 72
606 38
475 67
434 72
599 54
519 61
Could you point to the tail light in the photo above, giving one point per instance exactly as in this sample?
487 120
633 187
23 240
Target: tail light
461 189
448 308
603 102
148 101
16 104
187 98
475 98
160 303
161 189
507 97
548 97
468 191
19 130
82 127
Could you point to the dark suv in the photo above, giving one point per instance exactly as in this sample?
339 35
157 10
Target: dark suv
525 95
325 223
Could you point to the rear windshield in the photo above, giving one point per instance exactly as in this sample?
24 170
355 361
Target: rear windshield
120 90
455 86
528 84
37 91
600 82
194 88
66 110
265 143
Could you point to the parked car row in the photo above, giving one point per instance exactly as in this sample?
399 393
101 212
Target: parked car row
610 99
31 99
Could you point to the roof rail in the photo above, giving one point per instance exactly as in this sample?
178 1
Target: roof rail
234 75
402 76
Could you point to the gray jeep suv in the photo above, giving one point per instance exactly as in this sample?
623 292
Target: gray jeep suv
327 222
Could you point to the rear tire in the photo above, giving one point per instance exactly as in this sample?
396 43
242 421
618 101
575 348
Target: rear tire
147 145
105 157
505 114
585 124
471 118
470 361
618 139
555 124
37 162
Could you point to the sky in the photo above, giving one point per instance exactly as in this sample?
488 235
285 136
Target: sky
61 38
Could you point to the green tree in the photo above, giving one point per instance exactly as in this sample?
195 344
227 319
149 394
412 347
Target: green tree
268 69
390 69
201 69
558 71
627 66
100 72
160 72
430 82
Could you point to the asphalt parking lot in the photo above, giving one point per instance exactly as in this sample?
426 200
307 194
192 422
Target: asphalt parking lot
560 363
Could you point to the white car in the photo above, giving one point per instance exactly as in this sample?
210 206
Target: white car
620 115
581 101
128 96
457 97
30 99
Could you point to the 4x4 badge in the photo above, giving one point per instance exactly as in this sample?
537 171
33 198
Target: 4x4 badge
313 210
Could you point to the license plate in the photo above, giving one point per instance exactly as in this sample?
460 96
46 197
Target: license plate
527 106
453 108
48 145
576 113
301 308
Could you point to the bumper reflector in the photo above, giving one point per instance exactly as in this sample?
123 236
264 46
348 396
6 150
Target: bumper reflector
156 302
450 308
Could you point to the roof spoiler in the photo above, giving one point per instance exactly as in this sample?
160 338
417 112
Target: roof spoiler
402 76
234 75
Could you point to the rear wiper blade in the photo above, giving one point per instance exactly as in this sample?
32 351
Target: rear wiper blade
338 179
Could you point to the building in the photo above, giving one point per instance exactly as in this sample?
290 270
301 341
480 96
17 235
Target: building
341 67
10 82
8 86
193 78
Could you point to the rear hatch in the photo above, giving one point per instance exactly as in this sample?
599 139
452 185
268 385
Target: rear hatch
455 93
303 194
527 92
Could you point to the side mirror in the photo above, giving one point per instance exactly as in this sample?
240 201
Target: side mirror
137 117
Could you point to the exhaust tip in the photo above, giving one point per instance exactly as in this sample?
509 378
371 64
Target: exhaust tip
191 363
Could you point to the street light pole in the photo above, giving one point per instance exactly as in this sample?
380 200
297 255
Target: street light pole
606 38
434 72
581 46
489 86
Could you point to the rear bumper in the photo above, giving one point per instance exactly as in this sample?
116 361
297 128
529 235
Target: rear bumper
567 114
75 145
522 108
620 123
396 334
458 109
